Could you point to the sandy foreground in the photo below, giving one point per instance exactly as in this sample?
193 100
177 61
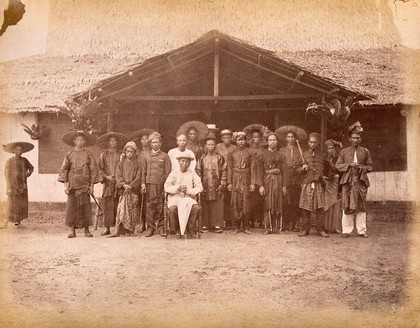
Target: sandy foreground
221 280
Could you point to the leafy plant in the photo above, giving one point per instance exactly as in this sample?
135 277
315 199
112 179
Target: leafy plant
335 113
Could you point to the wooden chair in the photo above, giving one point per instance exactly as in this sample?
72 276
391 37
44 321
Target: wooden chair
166 223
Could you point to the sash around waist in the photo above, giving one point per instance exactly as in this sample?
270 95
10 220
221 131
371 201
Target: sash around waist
238 170
273 172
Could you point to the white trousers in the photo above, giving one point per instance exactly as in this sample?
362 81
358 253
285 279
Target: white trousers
348 222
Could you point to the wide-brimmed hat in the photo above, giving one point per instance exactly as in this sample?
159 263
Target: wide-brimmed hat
299 133
252 128
10 147
202 129
140 133
103 140
69 137
356 127
185 157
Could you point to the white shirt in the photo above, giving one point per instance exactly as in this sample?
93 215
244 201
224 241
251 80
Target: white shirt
175 152
178 178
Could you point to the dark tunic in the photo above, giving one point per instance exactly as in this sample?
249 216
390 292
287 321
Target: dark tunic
332 208
155 169
293 158
212 169
240 161
291 208
227 212
196 148
272 173
80 170
312 194
223 150
17 169
257 201
108 162
354 182
128 172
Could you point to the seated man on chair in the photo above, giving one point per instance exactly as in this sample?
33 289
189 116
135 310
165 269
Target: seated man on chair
182 187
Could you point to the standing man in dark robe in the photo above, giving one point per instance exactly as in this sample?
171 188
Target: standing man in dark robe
354 162
314 167
272 171
108 162
79 172
257 210
193 143
17 170
241 182
224 148
141 138
212 169
156 167
291 210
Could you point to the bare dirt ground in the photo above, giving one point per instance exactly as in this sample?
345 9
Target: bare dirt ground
221 280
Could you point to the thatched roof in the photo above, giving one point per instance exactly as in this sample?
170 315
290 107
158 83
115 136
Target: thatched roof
152 27
33 83
244 70
30 84
391 74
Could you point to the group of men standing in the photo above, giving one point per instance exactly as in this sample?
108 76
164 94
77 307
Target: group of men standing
245 181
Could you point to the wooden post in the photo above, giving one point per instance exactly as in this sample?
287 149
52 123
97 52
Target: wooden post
276 120
110 117
216 69
323 133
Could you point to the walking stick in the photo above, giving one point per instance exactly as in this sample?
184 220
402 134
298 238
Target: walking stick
269 217
281 221
165 215
300 151
265 223
97 204
199 216
100 212
141 214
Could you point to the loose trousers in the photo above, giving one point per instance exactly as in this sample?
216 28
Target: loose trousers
306 219
154 215
348 222
212 212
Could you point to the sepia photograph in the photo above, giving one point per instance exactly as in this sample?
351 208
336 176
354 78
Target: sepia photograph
209 163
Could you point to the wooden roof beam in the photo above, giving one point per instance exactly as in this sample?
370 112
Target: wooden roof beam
282 75
216 70
128 99
139 81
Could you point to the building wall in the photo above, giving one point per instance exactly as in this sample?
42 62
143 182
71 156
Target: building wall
41 187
